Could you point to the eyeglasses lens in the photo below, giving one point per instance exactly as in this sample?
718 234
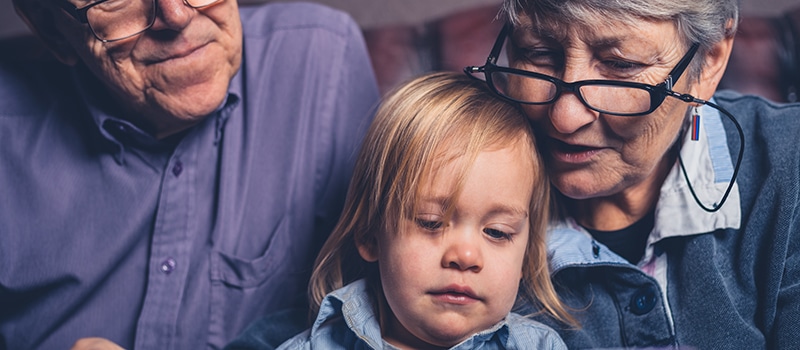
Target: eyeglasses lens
119 19
613 99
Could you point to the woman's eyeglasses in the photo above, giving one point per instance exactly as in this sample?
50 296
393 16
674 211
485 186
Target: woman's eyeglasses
613 97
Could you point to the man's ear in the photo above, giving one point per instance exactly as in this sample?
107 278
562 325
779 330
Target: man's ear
368 248
716 60
41 20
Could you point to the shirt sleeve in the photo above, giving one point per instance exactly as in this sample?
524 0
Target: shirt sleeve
355 102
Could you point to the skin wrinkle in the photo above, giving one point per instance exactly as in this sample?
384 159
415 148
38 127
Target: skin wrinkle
633 156
165 97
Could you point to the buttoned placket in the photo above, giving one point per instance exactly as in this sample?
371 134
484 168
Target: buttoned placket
170 250
175 226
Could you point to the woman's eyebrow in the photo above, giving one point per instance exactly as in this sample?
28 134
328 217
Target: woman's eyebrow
605 43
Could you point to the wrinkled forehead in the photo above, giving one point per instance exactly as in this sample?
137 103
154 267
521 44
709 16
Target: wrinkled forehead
562 22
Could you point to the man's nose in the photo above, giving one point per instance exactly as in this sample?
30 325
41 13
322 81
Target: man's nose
173 15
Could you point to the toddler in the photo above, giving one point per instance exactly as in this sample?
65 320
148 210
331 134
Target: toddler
443 229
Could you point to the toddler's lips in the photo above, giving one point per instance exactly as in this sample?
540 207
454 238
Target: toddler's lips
454 294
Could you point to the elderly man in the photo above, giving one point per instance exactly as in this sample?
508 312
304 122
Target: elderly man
173 179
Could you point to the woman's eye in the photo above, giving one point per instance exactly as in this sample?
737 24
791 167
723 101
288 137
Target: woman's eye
429 225
497 234
541 57
622 66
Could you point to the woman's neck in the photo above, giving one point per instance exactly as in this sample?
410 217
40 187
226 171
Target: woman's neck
624 208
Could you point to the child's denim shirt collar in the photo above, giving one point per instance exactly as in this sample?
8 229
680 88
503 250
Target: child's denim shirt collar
352 302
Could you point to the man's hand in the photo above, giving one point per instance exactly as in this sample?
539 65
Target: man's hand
95 344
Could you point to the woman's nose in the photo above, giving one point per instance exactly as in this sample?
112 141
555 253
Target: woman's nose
568 114
173 15
463 252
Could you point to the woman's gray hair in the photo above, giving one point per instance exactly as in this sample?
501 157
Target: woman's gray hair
702 21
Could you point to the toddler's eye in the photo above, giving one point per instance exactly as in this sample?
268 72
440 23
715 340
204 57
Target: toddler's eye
497 234
429 225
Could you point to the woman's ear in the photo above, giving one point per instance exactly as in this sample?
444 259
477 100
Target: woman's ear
716 60
368 248
41 20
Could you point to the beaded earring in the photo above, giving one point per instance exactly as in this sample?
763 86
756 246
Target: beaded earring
695 125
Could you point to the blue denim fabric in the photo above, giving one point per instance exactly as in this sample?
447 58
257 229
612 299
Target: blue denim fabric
726 288
272 330
346 321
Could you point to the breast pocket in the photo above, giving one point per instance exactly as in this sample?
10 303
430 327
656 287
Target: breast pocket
243 289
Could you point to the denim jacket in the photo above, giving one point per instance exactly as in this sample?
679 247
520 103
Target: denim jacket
346 321
723 280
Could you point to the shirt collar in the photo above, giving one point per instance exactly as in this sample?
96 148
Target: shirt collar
352 302
123 134
709 168
569 244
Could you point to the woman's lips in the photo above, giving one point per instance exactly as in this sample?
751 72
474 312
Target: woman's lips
570 153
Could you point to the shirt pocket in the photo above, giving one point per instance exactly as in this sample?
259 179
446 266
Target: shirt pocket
243 289
275 258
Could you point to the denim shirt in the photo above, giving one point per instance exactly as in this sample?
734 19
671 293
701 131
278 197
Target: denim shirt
346 320
729 279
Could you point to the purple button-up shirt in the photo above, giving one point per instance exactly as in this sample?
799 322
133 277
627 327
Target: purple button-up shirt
179 243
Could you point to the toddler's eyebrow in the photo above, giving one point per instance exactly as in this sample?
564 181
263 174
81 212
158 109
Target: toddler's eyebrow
496 209
509 209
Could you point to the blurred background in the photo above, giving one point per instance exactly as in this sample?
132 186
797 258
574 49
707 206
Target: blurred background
409 37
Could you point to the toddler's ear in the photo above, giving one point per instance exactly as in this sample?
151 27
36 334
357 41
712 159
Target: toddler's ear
368 249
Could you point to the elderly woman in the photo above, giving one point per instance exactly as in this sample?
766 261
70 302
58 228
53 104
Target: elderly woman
672 232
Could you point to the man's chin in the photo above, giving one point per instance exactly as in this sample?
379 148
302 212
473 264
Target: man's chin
165 123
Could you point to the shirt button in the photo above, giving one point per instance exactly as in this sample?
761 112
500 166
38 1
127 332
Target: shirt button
168 265
177 169
644 300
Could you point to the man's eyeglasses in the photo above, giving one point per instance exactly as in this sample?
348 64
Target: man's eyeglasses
613 97
112 20
623 98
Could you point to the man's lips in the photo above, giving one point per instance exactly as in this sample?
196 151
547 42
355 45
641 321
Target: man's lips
456 294
182 52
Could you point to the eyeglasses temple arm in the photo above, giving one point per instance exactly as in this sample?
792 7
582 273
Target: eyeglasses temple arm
498 44
680 68
494 54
